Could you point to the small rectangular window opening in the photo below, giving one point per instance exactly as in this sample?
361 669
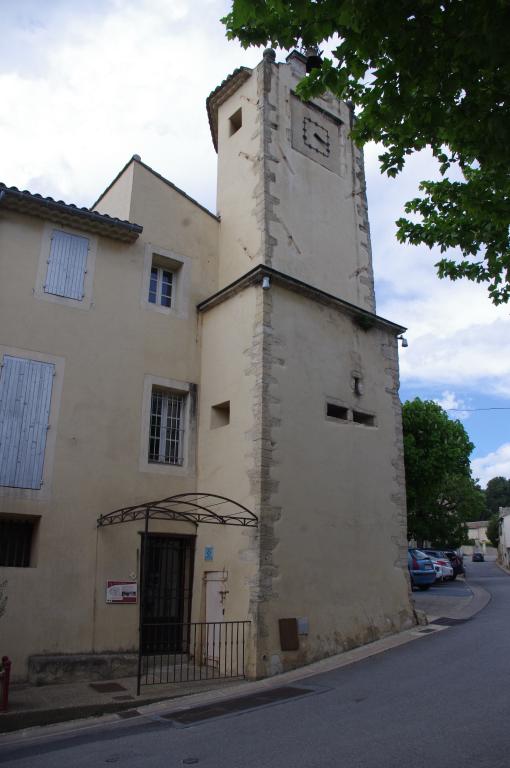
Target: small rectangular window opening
337 411
15 542
363 418
236 121
220 415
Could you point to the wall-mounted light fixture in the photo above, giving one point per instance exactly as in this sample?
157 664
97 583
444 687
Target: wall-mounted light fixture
266 282
404 341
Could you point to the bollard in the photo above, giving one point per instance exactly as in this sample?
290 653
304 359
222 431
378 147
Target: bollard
5 674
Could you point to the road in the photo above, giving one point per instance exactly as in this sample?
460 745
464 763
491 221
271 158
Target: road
439 701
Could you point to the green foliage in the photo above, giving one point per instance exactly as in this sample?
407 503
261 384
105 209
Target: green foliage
421 73
497 494
441 494
493 530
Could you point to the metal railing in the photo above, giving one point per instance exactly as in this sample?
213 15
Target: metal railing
5 674
186 652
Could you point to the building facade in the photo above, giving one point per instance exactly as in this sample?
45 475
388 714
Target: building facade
151 349
504 537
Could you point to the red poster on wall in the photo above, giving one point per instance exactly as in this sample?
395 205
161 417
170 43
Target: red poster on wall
121 591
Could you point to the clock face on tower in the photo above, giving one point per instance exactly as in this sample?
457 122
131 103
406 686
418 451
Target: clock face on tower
316 134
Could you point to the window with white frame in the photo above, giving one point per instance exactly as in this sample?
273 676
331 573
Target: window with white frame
67 265
167 427
161 286
25 400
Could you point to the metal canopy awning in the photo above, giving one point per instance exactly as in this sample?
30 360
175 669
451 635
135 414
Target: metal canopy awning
185 507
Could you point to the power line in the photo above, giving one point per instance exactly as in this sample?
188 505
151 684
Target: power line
471 410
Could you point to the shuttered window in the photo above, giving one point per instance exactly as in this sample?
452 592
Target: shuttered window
25 398
67 265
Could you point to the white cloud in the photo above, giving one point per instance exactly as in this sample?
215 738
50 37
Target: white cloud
495 464
450 402
132 80
457 337
474 357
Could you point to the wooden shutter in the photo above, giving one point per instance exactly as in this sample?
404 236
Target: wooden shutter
25 398
66 265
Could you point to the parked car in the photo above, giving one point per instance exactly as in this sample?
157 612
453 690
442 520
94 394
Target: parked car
478 557
421 570
441 563
456 562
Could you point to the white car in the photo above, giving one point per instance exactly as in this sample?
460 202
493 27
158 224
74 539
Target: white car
444 571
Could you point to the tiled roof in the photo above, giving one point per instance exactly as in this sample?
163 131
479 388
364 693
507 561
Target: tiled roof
221 94
23 201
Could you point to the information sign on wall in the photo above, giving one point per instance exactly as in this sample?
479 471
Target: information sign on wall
121 591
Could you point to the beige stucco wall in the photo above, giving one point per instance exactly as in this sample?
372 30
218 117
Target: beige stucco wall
116 201
240 195
334 547
227 455
106 352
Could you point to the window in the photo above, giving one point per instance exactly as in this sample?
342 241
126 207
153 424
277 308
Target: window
236 121
15 542
166 433
25 399
363 418
220 415
166 282
67 265
160 286
337 411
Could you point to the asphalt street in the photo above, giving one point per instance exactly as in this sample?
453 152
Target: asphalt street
439 701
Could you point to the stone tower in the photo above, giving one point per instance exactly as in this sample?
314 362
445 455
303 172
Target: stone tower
291 189
292 343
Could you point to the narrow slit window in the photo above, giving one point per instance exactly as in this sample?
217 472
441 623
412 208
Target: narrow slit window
236 121
363 418
337 412
220 415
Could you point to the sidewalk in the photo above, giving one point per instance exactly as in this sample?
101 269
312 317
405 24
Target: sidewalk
31 706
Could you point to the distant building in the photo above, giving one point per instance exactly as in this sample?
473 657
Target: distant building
504 536
477 532
151 349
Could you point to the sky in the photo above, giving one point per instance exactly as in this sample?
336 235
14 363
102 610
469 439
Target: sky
85 84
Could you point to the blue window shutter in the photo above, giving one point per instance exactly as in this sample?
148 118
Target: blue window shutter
67 265
25 399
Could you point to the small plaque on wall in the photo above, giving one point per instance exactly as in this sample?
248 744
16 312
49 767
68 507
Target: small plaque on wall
123 592
209 554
